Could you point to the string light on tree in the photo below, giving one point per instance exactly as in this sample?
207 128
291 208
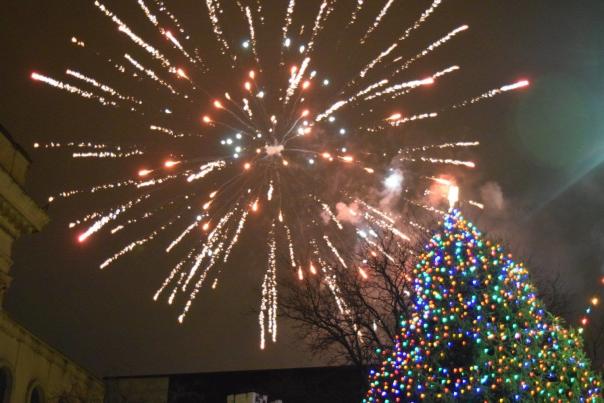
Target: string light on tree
478 332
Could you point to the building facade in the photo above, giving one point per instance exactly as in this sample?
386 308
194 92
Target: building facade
293 385
30 370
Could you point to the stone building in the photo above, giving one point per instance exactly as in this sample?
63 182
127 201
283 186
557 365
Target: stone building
30 370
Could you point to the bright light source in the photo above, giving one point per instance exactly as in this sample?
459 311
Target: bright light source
394 181
170 163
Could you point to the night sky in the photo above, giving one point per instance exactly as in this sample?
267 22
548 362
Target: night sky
540 168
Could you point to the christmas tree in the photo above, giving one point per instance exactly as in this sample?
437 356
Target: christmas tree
479 333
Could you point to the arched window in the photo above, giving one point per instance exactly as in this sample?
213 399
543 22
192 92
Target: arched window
6 384
37 395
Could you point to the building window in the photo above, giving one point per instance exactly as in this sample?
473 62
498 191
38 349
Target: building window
6 383
37 395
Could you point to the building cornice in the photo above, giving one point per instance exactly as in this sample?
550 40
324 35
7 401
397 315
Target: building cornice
25 215
22 335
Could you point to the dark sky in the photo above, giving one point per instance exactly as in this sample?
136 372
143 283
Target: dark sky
543 148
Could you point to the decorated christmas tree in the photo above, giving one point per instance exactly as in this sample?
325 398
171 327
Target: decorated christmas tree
479 333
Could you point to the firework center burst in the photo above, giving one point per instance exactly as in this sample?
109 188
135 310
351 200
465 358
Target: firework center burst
274 150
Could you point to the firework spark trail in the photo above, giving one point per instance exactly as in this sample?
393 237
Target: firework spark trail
374 244
77 42
492 93
397 120
247 109
476 204
295 80
111 216
433 46
175 271
332 216
259 11
420 227
121 69
340 104
97 147
72 89
269 193
332 283
446 161
421 116
150 16
398 87
287 23
377 60
334 250
199 284
86 218
235 238
440 181
135 38
206 169
212 248
377 21
375 211
356 12
250 22
213 7
208 250
160 180
324 11
146 215
459 144
485 96
102 87
178 45
171 132
290 245
106 186
150 73
425 15
106 154
371 87
186 232
441 73
176 287
426 207
387 226
139 242
267 318
162 7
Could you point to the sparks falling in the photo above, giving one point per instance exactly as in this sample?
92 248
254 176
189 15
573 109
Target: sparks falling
234 135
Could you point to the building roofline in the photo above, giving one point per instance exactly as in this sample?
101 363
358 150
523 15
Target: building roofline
17 146
33 339
240 372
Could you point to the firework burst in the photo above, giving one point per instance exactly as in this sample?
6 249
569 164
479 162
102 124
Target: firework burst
260 128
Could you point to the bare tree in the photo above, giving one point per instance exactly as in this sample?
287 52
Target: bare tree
345 313
554 292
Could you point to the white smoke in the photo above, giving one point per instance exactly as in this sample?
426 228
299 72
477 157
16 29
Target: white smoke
393 186
348 212
492 196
